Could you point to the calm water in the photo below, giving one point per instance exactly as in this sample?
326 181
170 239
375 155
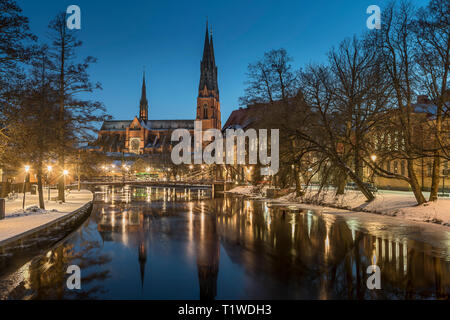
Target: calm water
142 243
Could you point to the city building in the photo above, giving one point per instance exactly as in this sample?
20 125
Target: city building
150 136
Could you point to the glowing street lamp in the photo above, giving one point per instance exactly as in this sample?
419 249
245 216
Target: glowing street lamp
373 157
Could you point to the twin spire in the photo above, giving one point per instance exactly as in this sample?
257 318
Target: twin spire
208 75
208 67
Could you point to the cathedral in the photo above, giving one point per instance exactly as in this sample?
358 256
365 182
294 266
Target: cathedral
147 136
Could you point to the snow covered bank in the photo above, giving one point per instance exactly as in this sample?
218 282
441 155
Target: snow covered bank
30 211
250 191
400 204
20 221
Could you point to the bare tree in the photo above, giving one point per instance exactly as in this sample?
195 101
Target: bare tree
395 45
31 115
76 116
270 79
432 42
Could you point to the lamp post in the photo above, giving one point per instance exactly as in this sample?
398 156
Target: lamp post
25 180
49 170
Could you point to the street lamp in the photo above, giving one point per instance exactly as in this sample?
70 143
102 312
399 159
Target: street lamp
373 157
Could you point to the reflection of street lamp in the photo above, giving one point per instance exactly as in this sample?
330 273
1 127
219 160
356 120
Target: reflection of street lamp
203 173
25 180
49 170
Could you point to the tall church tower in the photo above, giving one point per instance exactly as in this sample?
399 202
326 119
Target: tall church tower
208 105
143 105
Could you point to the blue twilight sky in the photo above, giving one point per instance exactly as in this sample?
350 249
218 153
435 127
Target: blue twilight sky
167 38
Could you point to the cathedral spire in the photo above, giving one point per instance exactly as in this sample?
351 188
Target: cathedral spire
143 105
208 104
211 50
208 76
206 48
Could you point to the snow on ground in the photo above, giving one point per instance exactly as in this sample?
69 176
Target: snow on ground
18 221
251 191
244 190
399 204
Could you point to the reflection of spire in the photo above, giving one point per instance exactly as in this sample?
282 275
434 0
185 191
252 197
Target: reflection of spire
142 261
208 255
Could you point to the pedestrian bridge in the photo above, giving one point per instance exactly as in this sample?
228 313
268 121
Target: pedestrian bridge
167 184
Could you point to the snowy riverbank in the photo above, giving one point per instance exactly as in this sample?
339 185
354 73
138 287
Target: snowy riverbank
20 221
401 205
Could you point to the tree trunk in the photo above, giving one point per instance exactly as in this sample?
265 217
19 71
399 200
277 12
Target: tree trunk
40 189
5 189
435 177
362 187
61 186
414 183
352 175
341 180
298 181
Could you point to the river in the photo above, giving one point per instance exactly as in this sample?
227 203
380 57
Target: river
156 243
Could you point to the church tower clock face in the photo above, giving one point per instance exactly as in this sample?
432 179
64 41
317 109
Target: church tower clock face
135 144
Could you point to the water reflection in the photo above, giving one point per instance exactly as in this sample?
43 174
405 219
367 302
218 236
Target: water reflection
165 243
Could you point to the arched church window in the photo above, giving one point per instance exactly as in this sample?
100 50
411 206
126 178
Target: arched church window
205 111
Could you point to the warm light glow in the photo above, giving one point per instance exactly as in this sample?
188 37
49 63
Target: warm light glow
191 167
49 168
148 169
27 168
65 172
373 157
